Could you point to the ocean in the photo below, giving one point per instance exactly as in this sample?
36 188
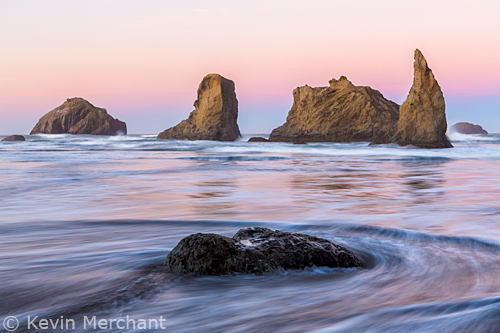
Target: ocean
87 221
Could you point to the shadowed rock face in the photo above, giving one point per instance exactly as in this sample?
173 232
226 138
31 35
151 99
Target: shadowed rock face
257 139
14 138
256 250
341 112
215 115
422 117
78 116
467 128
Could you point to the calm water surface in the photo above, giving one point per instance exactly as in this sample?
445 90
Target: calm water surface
86 222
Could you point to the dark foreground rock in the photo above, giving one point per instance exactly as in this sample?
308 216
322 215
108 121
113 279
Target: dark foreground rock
215 115
78 116
256 250
257 139
341 112
14 138
467 128
422 117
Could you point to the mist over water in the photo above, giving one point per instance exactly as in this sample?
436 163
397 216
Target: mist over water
86 222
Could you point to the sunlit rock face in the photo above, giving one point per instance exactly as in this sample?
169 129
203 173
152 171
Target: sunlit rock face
341 112
78 116
422 117
215 115
256 250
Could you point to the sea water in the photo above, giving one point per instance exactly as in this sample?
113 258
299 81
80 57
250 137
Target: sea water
87 221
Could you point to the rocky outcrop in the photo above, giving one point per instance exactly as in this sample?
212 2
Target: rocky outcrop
14 138
78 116
257 139
215 115
256 250
422 117
467 128
341 112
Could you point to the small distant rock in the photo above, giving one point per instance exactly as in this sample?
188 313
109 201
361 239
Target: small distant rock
78 116
257 139
215 115
422 117
256 250
14 138
467 128
341 112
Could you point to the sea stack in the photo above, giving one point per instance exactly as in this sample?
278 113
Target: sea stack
467 128
341 112
422 117
215 116
78 116
14 138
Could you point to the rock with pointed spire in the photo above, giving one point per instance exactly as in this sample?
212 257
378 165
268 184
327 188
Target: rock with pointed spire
215 115
78 116
422 117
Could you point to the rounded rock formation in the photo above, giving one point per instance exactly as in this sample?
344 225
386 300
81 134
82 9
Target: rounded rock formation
257 139
422 117
215 115
467 128
256 250
341 112
14 138
78 116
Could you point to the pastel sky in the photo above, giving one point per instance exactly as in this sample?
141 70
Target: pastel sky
142 60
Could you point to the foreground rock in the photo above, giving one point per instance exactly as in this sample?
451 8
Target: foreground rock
341 112
256 250
422 117
215 115
257 139
467 128
14 138
78 116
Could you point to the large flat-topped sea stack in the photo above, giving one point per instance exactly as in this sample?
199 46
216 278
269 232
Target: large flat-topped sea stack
78 116
215 116
467 128
341 112
422 117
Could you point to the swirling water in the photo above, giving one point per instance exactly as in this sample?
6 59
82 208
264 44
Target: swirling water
86 222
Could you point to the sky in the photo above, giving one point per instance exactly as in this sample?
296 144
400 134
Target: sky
143 60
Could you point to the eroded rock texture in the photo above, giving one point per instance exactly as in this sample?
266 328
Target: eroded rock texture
340 112
78 116
256 250
215 115
422 117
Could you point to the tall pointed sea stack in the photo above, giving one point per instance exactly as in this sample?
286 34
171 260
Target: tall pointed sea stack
341 112
422 117
215 115
78 116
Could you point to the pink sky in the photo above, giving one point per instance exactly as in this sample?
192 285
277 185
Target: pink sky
143 60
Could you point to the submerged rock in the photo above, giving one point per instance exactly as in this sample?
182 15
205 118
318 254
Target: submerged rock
256 250
341 112
257 139
78 116
215 115
14 138
422 117
467 128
